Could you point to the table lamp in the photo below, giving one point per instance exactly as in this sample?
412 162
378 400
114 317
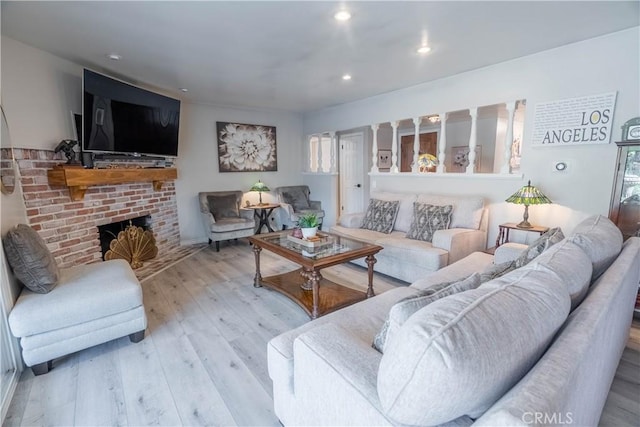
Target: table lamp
528 195
259 187
427 162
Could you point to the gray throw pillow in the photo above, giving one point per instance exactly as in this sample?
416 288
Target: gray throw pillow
494 271
404 308
297 198
30 260
381 215
224 206
541 244
427 219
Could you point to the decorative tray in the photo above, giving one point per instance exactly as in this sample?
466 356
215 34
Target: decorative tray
319 240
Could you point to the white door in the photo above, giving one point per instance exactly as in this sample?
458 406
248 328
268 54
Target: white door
351 173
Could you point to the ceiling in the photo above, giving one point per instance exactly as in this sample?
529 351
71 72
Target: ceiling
291 55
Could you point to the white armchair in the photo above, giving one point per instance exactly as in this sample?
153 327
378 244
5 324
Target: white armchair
222 217
294 202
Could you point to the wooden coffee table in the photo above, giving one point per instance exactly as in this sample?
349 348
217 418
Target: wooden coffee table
306 286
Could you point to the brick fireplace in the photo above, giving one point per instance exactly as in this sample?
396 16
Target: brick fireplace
70 228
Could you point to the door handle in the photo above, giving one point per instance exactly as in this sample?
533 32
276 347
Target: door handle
358 185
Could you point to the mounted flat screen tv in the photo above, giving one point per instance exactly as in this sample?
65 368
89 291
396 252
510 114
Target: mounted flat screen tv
122 118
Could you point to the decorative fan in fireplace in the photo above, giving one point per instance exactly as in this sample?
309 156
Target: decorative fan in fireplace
134 245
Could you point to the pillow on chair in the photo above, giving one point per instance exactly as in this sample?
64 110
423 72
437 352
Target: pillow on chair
297 198
30 260
223 206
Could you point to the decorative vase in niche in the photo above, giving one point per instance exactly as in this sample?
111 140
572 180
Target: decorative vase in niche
309 232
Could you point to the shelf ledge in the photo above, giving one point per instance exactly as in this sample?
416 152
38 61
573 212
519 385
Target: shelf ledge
78 179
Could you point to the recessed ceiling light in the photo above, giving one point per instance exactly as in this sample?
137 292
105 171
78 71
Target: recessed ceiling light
424 49
184 89
346 77
114 57
343 15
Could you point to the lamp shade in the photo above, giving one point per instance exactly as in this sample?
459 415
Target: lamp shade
259 186
528 195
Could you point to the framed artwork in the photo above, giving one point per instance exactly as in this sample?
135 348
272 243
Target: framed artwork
460 158
246 148
384 159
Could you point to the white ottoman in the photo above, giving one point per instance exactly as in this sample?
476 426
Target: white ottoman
90 305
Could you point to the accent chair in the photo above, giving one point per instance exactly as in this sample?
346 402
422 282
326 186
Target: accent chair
223 218
294 202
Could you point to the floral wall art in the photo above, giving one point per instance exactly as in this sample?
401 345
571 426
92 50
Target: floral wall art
246 148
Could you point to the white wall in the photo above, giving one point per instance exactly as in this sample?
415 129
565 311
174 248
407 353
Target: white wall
604 64
198 160
39 91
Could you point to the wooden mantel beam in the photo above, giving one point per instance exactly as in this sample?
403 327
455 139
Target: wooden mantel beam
79 179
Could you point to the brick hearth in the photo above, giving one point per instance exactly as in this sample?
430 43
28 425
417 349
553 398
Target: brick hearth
70 227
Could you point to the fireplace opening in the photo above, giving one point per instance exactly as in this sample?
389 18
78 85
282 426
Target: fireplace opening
109 232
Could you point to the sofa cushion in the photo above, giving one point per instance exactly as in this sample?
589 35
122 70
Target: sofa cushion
405 210
413 252
427 219
467 210
297 197
30 259
380 215
600 239
459 354
224 206
404 308
541 244
571 267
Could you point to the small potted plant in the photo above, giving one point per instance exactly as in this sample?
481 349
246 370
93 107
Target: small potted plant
308 223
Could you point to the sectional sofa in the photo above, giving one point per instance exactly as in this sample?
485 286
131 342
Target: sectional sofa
410 259
538 345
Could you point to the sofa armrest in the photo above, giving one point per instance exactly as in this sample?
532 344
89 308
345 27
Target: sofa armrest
353 220
247 214
508 252
459 242
332 366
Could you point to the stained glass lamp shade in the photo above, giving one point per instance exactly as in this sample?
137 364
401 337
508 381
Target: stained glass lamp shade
528 195
259 187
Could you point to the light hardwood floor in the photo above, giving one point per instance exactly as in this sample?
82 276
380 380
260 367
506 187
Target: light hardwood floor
203 360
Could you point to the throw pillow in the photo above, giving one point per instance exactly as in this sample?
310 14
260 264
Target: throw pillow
404 308
541 244
493 271
224 206
30 260
427 219
297 198
380 215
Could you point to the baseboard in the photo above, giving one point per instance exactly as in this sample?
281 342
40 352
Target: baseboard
190 242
